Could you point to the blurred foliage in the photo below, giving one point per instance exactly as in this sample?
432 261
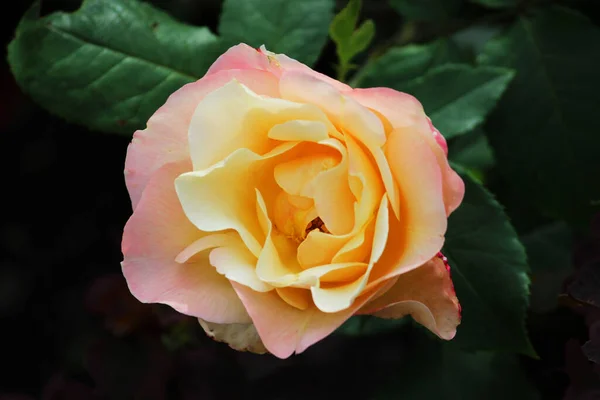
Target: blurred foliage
350 40
511 84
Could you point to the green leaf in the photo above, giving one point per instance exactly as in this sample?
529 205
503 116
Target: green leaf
497 3
471 150
297 28
433 370
343 24
402 64
458 98
110 64
362 37
490 274
543 130
426 10
549 250
350 42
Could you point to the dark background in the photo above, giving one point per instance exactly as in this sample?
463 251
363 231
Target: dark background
70 329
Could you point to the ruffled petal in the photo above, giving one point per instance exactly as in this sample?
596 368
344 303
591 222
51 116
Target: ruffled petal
340 297
419 234
345 112
155 234
404 111
223 196
285 329
281 63
242 57
426 293
165 138
299 131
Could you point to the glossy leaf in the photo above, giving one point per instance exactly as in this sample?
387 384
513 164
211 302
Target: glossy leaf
458 97
401 64
490 274
472 150
542 130
297 28
110 64
549 250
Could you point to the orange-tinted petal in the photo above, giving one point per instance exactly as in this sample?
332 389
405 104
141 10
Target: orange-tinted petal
419 234
404 111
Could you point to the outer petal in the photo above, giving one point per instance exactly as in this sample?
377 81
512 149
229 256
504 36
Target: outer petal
427 294
285 329
245 57
241 57
404 111
155 234
419 234
283 63
165 138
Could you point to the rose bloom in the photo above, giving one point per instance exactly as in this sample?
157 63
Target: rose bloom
273 203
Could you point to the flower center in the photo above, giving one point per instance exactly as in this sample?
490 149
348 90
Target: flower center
295 217
316 223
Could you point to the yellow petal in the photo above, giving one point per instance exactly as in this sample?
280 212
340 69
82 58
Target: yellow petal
334 200
338 298
319 248
234 117
345 112
299 131
223 196
295 297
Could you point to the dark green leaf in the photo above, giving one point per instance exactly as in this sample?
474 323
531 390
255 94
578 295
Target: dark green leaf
297 28
435 370
457 98
472 39
471 150
497 3
543 129
549 252
426 10
402 64
489 271
110 64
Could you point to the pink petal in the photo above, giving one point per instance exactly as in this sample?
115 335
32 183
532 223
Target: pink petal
155 234
285 329
242 57
165 138
426 293
286 63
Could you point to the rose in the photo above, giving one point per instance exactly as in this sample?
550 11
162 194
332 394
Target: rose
273 203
